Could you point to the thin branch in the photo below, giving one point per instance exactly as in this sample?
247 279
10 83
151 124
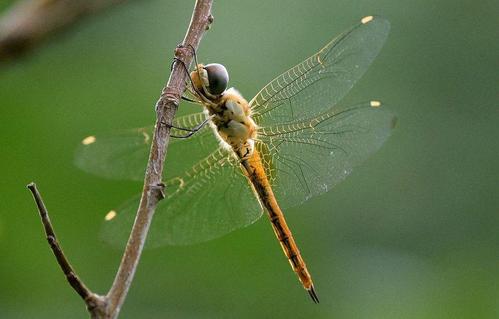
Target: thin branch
26 23
108 307
88 296
74 281
152 193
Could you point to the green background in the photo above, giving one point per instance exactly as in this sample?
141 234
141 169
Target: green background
412 233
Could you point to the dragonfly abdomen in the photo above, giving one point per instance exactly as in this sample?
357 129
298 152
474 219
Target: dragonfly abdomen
254 171
290 249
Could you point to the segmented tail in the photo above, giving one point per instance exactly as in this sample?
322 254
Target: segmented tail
255 172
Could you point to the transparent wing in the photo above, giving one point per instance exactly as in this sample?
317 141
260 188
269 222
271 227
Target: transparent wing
306 158
123 155
211 199
322 80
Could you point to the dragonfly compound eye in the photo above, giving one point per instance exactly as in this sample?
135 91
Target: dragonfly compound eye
217 77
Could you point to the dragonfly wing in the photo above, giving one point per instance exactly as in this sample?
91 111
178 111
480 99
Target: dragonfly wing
123 155
211 199
305 159
323 79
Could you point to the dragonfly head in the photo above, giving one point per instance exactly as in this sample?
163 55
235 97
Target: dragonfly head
211 78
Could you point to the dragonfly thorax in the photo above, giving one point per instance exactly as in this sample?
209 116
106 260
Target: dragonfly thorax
231 118
229 112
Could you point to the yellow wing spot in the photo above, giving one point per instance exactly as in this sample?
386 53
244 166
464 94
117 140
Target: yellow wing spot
367 19
375 103
110 215
88 140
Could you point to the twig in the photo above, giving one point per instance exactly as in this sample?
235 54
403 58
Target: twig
109 306
28 22
74 281
90 298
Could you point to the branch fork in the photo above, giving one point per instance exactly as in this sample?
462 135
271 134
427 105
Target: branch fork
108 306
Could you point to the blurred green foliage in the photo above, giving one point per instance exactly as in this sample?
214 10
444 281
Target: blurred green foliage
413 233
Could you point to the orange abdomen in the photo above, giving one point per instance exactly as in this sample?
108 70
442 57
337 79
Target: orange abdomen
255 173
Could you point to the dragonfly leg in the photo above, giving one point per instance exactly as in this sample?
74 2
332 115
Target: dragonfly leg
175 59
205 92
191 131
180 45
192 49
192 87
185 98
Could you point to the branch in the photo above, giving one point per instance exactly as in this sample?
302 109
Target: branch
74 281
28 22
90 298
108 307
153 190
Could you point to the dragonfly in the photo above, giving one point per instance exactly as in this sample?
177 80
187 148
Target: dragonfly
293 141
